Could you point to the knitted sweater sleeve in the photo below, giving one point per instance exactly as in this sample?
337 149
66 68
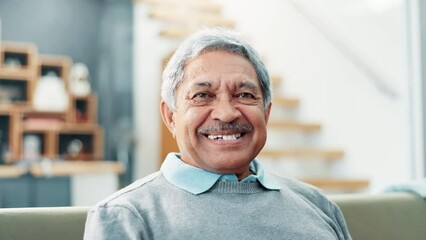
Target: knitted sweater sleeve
340 223
114 222
314 196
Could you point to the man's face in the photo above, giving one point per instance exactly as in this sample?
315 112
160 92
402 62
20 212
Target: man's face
220 121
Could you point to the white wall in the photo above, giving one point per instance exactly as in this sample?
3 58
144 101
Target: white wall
149 53
370 126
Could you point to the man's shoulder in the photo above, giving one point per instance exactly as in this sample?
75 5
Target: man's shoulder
130 192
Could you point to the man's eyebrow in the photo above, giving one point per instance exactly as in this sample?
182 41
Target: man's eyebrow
201 85
249 85
197 86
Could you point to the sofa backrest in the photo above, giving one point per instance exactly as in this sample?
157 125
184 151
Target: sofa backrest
65 223
393 216
389 216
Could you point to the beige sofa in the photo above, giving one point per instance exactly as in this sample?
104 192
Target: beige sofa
399 216
390 216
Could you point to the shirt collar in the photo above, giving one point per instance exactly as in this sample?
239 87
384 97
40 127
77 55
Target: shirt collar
197 181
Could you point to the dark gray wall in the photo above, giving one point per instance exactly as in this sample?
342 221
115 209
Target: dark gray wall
66 27
95 32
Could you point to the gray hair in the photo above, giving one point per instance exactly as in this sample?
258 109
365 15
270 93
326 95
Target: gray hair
208 40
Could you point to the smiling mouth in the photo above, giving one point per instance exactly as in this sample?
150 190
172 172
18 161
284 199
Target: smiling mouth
225 132
225 137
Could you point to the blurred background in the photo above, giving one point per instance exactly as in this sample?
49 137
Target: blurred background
347 77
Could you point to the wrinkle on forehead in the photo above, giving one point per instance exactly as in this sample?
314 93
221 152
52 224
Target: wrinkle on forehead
207 84
221 69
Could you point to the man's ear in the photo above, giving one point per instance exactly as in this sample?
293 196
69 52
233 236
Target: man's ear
267 112
167 116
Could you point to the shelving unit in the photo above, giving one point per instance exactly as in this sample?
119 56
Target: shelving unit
17 73
73 134
59 65
7 145
83 109
18 59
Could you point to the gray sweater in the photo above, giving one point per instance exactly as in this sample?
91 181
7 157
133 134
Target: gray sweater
153 208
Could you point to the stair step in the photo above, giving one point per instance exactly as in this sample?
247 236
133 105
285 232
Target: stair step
191 18
344 184
285 101
177 32
294 125
195 4
329 155
276 80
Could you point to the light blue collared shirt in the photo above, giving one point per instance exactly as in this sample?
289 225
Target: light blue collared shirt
197 181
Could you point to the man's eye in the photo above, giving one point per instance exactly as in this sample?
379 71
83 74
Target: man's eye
202 98
201 95
247 98
245 95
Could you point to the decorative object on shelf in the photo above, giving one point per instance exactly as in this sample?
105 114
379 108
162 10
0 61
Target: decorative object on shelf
9 92
79 80
50 94
32 148
37 121
5 152
75 148
12 63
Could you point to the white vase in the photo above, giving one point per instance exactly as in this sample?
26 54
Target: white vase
50 94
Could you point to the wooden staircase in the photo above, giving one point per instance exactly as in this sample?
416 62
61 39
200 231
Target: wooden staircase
306 153
279 101
180 18
194 19
303 153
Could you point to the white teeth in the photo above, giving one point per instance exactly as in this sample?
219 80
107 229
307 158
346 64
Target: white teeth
225 137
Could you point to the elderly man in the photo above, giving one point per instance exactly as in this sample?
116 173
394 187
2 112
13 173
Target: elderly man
216 100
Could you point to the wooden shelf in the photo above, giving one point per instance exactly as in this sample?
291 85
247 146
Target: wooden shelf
329 155
344 184
9 124
20 48
24 53
11 171
83 109
60 65
64 168
16 74
177 32
294 125
6 109
75 167
285 102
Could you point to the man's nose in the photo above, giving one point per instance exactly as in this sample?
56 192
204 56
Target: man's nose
225 111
